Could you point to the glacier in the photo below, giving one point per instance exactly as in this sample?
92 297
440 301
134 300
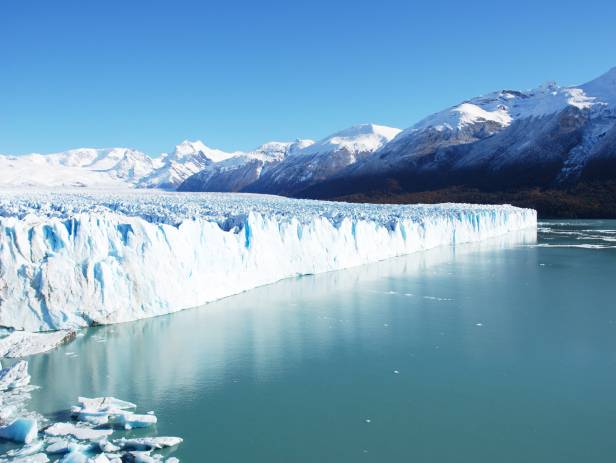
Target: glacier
73 259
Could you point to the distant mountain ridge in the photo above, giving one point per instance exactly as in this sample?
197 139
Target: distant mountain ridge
548 142
548 136
304 164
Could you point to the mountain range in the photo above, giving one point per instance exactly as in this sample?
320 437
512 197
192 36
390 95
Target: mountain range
552 148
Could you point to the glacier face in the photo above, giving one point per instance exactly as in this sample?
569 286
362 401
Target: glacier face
71 259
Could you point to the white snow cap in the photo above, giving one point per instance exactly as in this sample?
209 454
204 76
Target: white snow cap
356 139
190 148
503 107
603 87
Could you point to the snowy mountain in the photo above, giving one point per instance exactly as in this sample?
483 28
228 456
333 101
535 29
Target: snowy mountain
238 172
115 168
187 159
549 137
323 159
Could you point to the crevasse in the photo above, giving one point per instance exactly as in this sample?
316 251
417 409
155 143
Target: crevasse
70 261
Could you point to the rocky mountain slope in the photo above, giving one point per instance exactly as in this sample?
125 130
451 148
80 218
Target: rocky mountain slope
549 137
239 172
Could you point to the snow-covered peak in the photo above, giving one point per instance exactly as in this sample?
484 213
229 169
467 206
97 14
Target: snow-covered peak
278 150
603 88
468 113
300 144
188 149
272 150
361 138
499 109
78 157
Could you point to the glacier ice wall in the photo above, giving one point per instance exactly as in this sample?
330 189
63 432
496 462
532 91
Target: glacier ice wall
71 260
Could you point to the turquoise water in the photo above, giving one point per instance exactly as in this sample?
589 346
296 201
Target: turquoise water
498 352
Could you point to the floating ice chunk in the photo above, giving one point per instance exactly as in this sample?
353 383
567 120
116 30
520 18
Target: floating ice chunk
133 420
172 460
36 458
114 457
75 457
15 376
23 343
105 446
93 417
105 403
21 430
141 457
79 432
148 443
28 450
67 446
101 458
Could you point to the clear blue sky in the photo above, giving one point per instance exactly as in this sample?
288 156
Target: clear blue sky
148 74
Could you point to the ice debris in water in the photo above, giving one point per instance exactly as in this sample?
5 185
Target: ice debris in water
16 423
87 440
103 410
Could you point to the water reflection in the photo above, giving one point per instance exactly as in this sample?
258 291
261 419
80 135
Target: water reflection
255 335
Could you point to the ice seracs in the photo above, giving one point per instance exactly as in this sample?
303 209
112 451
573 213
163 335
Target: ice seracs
69 260
14 377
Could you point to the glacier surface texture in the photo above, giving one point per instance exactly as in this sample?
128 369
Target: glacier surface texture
70 260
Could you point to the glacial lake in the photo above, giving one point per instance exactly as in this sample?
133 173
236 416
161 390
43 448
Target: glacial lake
503 351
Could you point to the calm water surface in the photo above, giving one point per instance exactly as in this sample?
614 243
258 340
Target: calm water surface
499 352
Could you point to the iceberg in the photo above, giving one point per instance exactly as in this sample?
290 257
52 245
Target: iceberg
22 430
66 446
105 403
148 443
134 420
71 260
79 432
